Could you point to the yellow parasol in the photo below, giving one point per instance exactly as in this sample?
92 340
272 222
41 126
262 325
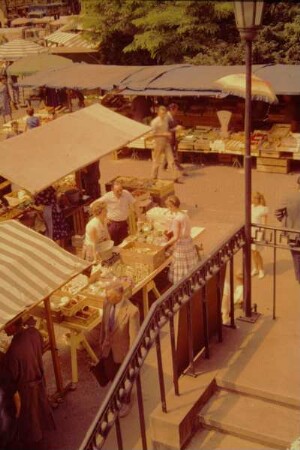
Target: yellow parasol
235 84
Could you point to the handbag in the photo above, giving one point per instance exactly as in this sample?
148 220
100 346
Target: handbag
98 370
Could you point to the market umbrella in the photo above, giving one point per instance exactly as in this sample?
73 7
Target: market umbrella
35 63
18 48
235 84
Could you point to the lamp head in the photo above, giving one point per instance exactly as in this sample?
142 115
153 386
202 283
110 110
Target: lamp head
248 17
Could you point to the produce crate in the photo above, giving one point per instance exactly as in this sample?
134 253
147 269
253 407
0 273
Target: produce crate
273 165
148 254
84 317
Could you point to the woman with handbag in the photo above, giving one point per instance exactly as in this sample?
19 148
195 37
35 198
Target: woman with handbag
259 213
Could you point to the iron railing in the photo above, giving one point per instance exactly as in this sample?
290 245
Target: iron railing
276 238
161 312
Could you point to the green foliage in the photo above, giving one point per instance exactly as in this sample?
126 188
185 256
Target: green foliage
198 32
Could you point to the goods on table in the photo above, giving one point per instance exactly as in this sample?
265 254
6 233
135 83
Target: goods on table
66 183
138 252
75 285
4 341
84 316
136 271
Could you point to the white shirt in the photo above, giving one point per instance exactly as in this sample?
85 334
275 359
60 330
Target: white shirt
118 208
95 225
181 221
258 212
159 126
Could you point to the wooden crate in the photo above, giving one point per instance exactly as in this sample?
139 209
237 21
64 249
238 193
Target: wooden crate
136 252
273 165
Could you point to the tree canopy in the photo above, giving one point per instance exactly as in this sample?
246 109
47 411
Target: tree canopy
198 32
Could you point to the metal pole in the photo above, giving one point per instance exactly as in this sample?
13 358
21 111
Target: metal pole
247 165
141 411
219 308
160 375
231 282
53 347
174 356
274 275
205 323
119 434
190 337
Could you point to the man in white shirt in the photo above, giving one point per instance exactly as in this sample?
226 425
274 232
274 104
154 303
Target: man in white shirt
162 148
118 202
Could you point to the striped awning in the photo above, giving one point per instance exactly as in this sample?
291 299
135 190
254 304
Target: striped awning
67 39
18 48
31 268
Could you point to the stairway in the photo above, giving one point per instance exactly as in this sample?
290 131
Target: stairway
234 419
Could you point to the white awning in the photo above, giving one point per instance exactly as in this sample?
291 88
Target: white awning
43 155
32 266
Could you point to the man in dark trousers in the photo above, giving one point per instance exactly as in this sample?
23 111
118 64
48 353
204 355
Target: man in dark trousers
119 328
24 363
289 213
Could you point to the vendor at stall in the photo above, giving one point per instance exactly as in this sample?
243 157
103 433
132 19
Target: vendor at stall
184 256
96 231
118 202
56 224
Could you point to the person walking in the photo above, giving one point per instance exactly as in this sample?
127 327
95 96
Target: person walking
289 211
118 202
174 126
119 328
259 212
162 149
184 256
24 363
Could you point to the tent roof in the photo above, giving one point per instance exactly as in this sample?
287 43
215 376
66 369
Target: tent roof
180 78
35 63
18 48
174 93
43 155
284 78
31 268
81 76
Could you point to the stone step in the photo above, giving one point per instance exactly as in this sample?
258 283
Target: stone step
216 440
255 391
251 418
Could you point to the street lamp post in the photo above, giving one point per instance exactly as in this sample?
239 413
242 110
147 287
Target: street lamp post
248 16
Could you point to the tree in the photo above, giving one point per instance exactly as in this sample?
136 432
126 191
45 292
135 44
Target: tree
198 32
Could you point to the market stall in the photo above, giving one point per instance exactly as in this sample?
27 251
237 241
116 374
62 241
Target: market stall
136 263
32 267
61 154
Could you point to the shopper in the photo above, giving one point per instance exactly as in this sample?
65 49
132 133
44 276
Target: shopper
96 231
289 213
185 255
32 121
5 99
162 149
119 328
56 225
259 213
174 126
9 411
24 363
118 202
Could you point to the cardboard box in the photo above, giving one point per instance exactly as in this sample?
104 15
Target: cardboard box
142 253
